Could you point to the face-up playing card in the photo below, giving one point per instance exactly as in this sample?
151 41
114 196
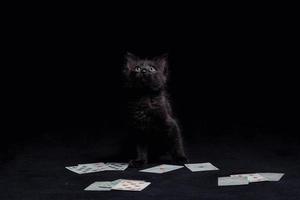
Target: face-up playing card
82 169
272 176
228 181
115 182
161 169
131 185
198 167
94 164
117 166
74 169
97 166
100 186
251 177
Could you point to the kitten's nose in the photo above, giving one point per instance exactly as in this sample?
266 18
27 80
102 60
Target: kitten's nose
144 71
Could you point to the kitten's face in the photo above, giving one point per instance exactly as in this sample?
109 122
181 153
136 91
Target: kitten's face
146 74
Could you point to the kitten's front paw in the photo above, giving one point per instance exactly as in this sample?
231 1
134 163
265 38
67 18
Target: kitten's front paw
181 160
137 163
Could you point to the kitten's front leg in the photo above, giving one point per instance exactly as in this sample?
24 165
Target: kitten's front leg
142 156
177 149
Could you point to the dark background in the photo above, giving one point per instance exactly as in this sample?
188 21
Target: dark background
232 85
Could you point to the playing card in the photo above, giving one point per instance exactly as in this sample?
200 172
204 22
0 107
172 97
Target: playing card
100 186
161 169
131 185
82 169
117 166
251 177
93 164
115 182
272 176
228 181
197 167
74 169
97 167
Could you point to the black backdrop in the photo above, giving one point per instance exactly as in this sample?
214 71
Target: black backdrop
69 75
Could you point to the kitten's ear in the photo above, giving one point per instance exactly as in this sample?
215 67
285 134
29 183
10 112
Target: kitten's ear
163 62
130 60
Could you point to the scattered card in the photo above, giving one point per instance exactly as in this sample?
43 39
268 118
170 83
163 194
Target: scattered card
82 169
97 167
131 185
272 176
117 166
99 164
199 167
251 177
229 181
96 164
160 169
100 186
115 182
74 169
103 185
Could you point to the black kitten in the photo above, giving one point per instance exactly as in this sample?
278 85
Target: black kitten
151 119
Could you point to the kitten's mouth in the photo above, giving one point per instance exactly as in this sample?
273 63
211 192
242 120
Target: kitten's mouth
147 82
145 78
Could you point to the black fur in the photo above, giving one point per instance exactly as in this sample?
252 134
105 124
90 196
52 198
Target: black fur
153 125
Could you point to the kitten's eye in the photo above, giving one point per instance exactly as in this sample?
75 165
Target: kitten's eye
152 69
137 69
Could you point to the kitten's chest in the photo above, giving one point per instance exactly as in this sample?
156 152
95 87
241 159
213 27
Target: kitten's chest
143 109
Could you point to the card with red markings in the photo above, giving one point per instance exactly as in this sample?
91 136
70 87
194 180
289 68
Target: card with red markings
252 177
82 169
131 185
117 166
272 176
97 167
160 169
200 167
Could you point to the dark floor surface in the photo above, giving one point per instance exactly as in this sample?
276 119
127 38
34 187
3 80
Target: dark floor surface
37 171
